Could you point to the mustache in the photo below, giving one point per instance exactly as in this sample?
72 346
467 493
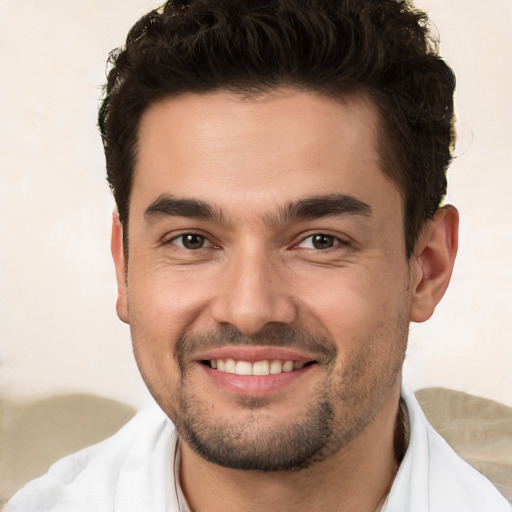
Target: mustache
274 335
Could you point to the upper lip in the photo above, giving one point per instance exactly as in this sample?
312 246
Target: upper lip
253 354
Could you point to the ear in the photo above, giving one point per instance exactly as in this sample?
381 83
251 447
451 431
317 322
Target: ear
121 269
432 262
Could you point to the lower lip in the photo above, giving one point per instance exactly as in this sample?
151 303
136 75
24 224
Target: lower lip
255 385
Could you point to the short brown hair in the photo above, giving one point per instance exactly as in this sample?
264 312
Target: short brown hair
333 47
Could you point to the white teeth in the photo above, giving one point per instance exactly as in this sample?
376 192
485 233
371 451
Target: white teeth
265 367
243 368
276 367
260 368
230 366
288 366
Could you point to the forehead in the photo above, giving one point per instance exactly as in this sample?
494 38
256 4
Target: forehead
259 151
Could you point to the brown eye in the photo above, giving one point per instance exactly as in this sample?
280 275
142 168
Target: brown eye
191 241
321 241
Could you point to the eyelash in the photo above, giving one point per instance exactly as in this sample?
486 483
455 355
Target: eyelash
181 245
336 241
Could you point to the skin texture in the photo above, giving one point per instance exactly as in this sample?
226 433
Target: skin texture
250 283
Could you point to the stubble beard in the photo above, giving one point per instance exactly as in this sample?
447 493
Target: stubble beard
247 445
343 407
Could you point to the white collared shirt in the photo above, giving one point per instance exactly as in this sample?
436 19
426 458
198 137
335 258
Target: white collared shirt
137 470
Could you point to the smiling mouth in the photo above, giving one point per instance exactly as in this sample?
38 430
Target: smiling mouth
259 368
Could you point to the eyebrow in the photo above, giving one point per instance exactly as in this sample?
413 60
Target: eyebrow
170 206
315 207
308 208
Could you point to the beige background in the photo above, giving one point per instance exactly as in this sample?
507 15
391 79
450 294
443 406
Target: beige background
58 328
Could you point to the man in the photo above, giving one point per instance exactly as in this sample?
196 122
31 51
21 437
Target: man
278 168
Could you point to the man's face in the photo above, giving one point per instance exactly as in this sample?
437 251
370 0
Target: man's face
264 238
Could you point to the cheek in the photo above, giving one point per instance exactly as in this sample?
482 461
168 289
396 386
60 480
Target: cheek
153 349
156 320
345 299
166 301
163 306
364 311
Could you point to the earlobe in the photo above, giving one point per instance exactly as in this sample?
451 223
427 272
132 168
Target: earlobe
432 263
118 255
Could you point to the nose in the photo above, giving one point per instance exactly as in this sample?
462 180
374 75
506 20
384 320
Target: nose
253 294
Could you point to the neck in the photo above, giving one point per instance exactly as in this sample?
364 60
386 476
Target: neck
356 478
